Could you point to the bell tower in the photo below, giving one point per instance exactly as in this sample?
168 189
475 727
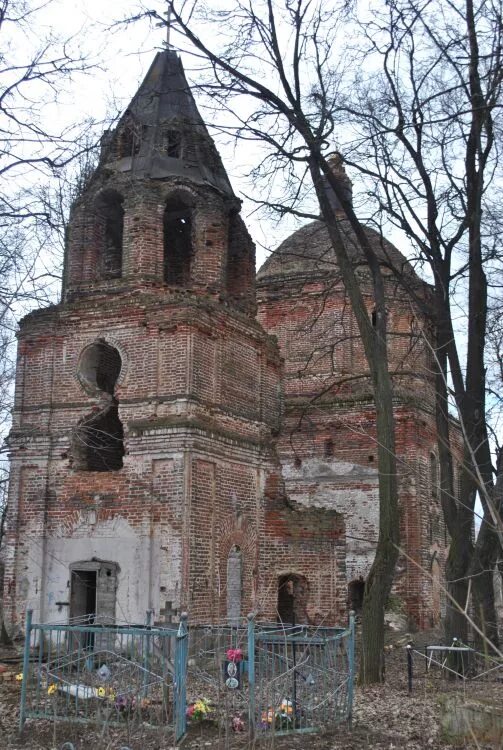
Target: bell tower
143 467
159 212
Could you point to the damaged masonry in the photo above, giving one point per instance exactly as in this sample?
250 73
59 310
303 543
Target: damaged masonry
166 450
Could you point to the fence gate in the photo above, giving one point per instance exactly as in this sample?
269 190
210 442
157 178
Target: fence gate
131 675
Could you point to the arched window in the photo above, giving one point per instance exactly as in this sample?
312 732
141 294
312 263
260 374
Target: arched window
177 242
234 586
433 474
111 215
98 441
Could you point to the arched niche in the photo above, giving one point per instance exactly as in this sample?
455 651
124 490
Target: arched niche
234 585
110 218
178 240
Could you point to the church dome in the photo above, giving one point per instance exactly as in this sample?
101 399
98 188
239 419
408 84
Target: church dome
309 252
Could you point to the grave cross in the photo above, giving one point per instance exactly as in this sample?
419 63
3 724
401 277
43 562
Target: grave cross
169 615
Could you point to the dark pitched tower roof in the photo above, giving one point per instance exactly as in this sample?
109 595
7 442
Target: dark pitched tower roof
162 134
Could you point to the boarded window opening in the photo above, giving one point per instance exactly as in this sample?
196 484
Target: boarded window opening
98 443
177 242
293 594
234 586
356 591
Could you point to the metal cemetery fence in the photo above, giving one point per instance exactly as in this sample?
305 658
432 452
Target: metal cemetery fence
129 675
267 678
301 678
280 678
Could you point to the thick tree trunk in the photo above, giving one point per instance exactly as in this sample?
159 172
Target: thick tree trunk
488 549
380 578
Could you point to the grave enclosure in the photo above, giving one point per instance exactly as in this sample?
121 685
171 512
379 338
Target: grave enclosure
269 678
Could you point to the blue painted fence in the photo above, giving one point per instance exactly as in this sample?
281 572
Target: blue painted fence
300 677
287 679
132 675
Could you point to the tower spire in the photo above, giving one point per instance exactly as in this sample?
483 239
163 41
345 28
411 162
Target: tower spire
162 134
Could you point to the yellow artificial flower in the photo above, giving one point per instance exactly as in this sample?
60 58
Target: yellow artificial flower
19 677
101 692
52 689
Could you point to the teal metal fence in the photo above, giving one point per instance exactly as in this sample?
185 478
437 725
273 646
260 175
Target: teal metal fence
280 678
131 675
300 678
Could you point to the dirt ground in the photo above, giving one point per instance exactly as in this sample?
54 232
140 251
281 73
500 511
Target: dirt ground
386 717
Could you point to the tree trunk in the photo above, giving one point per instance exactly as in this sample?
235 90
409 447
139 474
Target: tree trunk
380 579
374 340
487 551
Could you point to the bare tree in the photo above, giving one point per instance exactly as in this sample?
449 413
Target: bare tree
426 120
35 155
290 83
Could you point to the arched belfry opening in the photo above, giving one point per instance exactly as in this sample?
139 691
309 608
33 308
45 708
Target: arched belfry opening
293 594
178 244
98 441
110 212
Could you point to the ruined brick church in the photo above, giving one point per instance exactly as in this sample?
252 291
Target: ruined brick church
188 436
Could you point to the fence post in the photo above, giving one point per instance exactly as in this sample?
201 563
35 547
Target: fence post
251 673
351 655
26 667
181 650
146 653
409 666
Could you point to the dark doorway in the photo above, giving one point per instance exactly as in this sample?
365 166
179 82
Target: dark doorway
83 596
356 590
293 593
82 606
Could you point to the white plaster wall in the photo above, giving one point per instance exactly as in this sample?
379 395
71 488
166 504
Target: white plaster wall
146 562
326 483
